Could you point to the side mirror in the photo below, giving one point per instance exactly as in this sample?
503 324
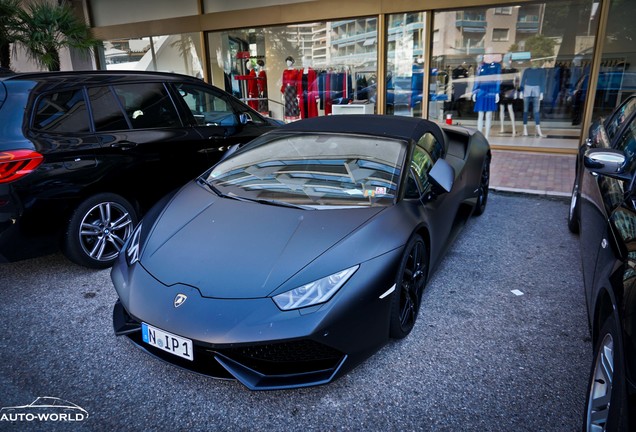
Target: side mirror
443 175
609 162
245 118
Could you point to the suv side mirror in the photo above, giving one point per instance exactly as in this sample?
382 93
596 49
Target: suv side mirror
245 118
443 175
608 162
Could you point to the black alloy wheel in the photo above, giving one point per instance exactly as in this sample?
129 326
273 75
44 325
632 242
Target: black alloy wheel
574 211
409 287
98 229
484 184
606 407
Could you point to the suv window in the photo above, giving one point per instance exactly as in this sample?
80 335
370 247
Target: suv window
615 122
147 105
207 107
627 144
107 110
62 112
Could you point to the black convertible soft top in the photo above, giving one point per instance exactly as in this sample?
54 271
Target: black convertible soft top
406 128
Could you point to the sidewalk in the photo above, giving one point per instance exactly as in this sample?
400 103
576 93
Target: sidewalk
546 174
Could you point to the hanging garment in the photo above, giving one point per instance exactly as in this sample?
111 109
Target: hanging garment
252 89
263 104
308 92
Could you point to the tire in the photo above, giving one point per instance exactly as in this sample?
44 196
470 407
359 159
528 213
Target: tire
574 213
606 403
410 282
484 184
98 229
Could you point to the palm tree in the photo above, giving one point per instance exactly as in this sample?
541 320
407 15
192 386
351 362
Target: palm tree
8 24
45 28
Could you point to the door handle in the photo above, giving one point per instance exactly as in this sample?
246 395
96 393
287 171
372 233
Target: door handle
124 145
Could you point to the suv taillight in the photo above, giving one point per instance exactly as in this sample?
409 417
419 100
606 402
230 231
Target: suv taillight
15 164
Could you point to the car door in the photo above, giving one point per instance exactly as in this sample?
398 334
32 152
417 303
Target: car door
616 260
60 129
220 118
434 206
144 138
601 195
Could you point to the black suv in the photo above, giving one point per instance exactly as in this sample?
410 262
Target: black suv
84 154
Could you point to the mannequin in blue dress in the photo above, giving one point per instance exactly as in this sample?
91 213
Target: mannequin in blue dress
486 91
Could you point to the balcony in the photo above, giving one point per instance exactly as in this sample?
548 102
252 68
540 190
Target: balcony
474 26
528 26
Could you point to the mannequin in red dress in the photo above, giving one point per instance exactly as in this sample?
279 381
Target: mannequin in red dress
263 104
289 89
308 90
252 86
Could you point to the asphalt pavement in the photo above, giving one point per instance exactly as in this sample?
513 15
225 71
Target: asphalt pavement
481 357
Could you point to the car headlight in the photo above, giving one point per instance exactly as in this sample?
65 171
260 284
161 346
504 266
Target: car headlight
314 293
132 251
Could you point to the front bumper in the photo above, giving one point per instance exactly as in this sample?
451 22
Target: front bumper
251 340
266 366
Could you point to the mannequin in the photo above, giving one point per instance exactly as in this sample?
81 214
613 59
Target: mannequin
532 86
289 89
263 104
507 95
308 90
252 87
486 91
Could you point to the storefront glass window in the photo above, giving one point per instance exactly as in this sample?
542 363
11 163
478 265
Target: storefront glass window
617 77
299 71
180 53
405 64
512 71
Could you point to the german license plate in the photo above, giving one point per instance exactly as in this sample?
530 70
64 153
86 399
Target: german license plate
168 342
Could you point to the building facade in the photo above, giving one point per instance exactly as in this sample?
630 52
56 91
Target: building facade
526 73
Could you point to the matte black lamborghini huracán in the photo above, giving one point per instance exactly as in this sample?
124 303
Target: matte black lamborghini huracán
300 254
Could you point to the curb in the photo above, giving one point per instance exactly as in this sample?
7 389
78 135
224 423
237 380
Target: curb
533 192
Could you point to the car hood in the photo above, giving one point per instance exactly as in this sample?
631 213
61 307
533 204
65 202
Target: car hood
235 250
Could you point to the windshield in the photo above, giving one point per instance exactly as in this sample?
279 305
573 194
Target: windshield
315 170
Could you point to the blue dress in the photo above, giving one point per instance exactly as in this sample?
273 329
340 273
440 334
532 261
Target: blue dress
486 86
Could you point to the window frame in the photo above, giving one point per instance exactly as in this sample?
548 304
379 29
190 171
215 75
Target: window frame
43 95
166 92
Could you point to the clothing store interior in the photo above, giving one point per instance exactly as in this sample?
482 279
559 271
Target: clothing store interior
517 73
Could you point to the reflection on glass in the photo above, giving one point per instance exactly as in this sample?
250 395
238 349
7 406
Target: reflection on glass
180 53
299 71
513 70
617 77
315 170
405 64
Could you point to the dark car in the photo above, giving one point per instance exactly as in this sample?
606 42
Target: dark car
84 154
299 255
603 212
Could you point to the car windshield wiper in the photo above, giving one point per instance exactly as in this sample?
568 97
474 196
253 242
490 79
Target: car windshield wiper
282 204
219 193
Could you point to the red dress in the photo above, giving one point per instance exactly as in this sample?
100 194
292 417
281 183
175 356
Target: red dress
252 89
290 90
308 93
